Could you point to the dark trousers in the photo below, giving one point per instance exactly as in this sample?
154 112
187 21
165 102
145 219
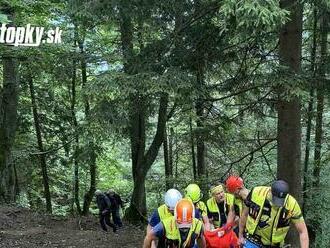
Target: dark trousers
116 217
236 230
105 220
161 243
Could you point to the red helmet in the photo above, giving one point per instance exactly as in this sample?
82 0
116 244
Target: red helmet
233 183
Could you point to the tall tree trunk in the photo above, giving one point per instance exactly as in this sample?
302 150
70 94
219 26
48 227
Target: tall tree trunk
138 139
88 197
76 133
310 110
200 108
177 150
141 160
200 132
192 147
320 100
138 210
319 116
289 127
168 161
8 121
42 155
17 188
166 158
170 157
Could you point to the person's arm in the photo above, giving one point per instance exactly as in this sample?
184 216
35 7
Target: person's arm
107 202
153 242
153 235
149 228
201 242
231 216
103 206
203 212
303 234
206 222
244 193
242 224
97 201
148 239
154 220
210 218
120 202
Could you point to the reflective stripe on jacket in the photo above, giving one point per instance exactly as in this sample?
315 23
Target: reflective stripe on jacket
238 205
164 212
213 209
280 222
172 232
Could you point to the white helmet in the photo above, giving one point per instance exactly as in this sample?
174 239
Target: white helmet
172 196
98 192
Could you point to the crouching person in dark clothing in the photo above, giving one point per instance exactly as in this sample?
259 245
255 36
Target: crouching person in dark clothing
116 203
104 205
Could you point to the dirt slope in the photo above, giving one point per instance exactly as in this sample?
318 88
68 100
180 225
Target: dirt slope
20 227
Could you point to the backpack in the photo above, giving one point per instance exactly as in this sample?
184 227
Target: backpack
112 200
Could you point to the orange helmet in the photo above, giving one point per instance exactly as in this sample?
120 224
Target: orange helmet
184 213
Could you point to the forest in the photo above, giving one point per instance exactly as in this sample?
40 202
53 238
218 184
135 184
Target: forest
141 96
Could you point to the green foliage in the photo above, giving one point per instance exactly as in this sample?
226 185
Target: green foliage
258 14
114 170
4 19
235 43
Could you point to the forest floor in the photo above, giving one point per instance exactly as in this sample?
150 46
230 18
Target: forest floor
20 227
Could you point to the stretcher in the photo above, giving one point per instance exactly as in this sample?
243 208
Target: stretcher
221 238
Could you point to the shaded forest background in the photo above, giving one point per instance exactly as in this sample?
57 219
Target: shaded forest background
142 96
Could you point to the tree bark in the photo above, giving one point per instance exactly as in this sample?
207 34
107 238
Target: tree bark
289 126
88 197
143 162
200 132
8 122
310 110
168 161
192 147
200 108
137 132
141 159
17 188
170 156
320 100
126 35
319 117
76 134
42 155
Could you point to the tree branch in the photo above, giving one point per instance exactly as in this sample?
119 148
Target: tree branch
152 152
245 156
264 156
51 150
231 95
